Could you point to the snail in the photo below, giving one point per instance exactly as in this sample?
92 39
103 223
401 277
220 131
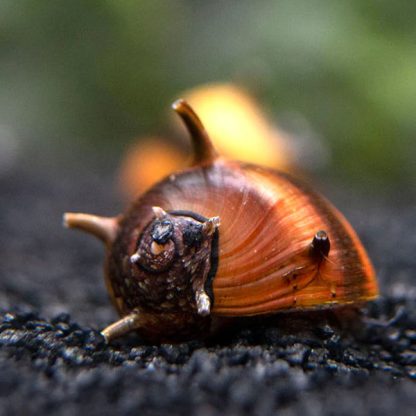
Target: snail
224 239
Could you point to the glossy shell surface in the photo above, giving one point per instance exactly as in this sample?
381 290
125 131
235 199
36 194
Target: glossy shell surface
268 221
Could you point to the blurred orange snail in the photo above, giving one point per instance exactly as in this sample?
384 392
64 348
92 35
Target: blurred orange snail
239 129
223 239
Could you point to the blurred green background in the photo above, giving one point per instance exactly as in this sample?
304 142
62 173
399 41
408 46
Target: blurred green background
99 73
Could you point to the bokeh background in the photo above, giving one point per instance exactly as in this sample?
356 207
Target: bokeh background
92 75
82 80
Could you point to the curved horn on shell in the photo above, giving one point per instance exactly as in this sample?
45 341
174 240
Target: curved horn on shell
104 228
204 151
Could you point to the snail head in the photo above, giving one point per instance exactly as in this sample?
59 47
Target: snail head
172 260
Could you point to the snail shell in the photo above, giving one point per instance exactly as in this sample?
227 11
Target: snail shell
225 239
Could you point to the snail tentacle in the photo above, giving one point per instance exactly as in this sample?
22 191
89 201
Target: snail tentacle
159 212
211 225
204 151
121 327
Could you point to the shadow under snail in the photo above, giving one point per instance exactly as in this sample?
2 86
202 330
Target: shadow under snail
224 239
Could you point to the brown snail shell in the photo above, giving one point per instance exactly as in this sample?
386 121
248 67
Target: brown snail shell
225 239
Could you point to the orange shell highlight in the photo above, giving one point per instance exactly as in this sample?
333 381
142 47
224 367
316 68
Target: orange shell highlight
268 221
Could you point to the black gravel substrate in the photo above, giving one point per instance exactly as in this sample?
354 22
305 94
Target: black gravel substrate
53 302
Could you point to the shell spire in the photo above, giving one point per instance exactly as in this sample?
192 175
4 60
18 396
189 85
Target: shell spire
104 228
204 151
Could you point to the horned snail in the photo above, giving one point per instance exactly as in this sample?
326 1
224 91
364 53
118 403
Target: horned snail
224 239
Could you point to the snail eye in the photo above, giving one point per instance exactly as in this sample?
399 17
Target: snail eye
162 231
192 234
